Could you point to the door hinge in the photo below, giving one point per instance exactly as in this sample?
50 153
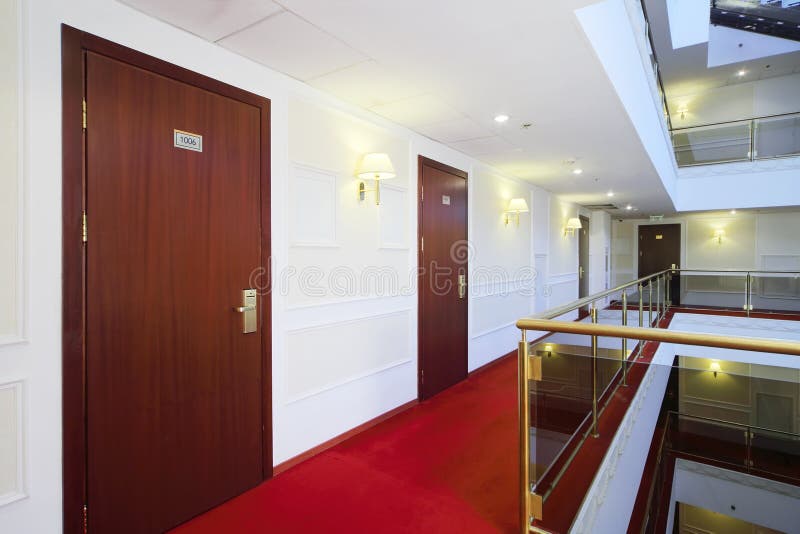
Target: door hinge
84 113
84 229
422 194
422 244
422 376
85 519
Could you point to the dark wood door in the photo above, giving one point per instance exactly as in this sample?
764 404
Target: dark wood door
443 256
174 387
659 249
583 258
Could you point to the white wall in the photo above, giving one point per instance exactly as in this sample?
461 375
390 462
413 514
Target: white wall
752 241
741 101
315 142
755 500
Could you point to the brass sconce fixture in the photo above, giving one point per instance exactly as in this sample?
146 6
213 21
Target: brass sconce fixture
715 368
376 166
718 235
515 207
573 225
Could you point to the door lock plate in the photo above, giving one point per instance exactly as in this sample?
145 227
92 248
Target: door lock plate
249 311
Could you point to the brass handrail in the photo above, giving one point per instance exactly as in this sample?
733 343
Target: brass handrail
663 335
575 304
530 369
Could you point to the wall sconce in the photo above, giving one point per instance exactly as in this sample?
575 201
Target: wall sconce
718 235
573 225
515 207
715 368
376 166
548 348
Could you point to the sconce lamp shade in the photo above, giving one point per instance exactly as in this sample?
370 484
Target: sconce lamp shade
719 234
517 205
574 223
376 166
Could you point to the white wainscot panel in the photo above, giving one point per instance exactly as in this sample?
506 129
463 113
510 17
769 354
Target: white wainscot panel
494 311
393 217
327 356
313 207
561 289
11 443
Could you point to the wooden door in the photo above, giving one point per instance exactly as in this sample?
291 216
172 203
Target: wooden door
174 386
659 249
583 258
443 257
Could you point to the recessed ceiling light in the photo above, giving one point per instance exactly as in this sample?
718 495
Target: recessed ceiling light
760 19
577 171
741 16
741 72
501 118
629 207
779 23
733 212
610 194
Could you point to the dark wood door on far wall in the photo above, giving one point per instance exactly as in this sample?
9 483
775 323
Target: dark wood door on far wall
174 386
660 249
443 259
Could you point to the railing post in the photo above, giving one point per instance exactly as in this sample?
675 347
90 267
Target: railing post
524 434
650 303
659 305
595 433
668 296
747 297
641 317
624 340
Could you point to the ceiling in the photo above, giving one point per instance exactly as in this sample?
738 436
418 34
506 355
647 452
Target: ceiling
445 69
684 71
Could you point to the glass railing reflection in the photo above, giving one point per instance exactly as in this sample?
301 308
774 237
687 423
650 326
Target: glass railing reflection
747 140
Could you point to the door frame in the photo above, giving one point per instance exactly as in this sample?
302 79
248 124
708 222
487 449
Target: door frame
74 45
585 227
421 273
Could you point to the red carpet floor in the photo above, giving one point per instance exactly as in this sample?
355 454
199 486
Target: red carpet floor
446 465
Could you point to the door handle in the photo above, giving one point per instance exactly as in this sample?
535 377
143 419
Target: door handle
580 272
462 285
249 311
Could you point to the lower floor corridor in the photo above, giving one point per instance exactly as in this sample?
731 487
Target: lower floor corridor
448 464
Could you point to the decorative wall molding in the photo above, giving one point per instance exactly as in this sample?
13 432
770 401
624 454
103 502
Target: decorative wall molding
501 287
393 218
494 329
16 440
361 324
740 167
19 332
562 278
312 207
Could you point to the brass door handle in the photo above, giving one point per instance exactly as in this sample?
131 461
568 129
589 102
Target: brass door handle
248 309
462 286
580 272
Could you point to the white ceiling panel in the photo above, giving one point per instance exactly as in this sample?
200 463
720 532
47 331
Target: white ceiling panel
483 146
368 84
291 45
210 19
418 111
457 130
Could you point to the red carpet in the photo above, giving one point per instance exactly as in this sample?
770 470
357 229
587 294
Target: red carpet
446 465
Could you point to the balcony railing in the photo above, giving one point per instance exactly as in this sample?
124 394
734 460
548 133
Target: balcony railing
776 136
574 370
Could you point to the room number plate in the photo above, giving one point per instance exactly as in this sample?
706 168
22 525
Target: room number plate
188 141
